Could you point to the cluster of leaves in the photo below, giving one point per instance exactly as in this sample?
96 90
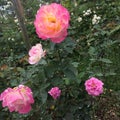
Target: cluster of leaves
89 50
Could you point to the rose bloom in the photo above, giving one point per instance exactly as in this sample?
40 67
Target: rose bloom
18 99
94 86
52 22
55 92
35 54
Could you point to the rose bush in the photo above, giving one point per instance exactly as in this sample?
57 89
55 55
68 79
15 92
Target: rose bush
85 50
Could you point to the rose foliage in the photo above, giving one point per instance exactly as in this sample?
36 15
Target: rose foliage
65 72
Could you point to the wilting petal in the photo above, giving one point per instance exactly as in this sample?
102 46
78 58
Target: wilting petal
18 99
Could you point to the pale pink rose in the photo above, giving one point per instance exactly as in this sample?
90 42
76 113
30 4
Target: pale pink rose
52 22
35 54
18 99
34 59
94 86
55 92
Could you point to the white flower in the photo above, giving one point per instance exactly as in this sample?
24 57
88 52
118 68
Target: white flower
89 11
9 3
96 19
97 7
13 39
40 5
79 19
75 4
86 13
16 20
7 6
72 13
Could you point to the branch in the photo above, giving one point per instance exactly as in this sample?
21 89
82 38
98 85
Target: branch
20 15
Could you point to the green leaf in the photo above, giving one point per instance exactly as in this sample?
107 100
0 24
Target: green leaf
79 77
44 95
67 81
69 74
68 45
52 45
81 74
14 82
110 73
1 75
99 74
50 69
42 62
91 51
105 60
75 64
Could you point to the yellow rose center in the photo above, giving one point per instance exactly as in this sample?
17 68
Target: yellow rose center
52 23
52 19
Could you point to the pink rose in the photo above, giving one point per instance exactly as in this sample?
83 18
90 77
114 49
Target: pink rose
52 22
55 92
94 86
35 54
18 99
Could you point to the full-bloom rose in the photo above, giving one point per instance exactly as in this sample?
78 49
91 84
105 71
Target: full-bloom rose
35 54
55 92
52 22
18 99
94 86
